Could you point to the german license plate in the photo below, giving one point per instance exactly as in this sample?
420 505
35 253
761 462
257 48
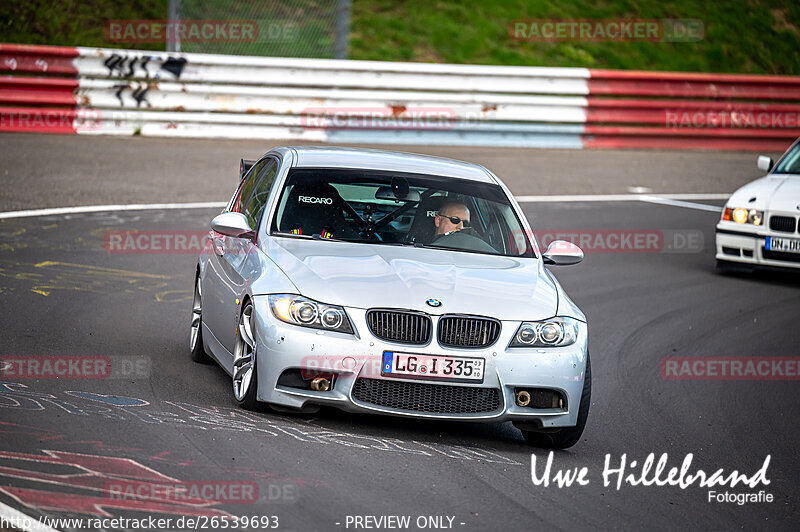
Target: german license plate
789 245
432 367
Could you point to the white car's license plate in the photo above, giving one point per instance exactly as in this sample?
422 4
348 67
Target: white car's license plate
435 367
790 245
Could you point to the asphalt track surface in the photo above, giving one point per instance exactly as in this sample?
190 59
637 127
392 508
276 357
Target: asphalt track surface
63 293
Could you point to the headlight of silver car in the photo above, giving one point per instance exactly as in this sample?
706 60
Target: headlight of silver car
554 332
299 310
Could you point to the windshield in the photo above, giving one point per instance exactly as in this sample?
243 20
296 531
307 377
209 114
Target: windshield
394 208
790 164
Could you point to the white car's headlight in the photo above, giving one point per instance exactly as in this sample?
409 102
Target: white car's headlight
555 332
740 215
299 310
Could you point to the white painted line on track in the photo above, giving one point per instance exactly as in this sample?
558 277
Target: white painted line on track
618 197
665 199
21 521
677 203
108 208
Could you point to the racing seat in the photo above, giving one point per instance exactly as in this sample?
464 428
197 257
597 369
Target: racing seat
423 228
315 209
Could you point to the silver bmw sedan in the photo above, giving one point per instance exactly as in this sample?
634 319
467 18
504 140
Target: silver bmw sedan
390 283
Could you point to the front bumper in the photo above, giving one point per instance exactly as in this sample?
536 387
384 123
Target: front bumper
282 347
745 245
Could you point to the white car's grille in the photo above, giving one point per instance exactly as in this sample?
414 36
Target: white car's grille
400 326
468 331
784 224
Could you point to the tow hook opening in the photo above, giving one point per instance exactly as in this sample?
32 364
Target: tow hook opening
308 379
523 398
539 398
320 384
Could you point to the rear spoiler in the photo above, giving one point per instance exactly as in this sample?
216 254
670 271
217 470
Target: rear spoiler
244 166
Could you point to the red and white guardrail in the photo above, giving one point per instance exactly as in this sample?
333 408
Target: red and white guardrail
126 92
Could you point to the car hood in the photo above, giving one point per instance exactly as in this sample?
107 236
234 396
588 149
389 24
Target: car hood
786 196
369 276
771 193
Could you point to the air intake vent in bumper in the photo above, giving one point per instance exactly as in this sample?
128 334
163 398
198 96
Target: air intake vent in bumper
431 398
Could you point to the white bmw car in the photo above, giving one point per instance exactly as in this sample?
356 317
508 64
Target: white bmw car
759 225
390 283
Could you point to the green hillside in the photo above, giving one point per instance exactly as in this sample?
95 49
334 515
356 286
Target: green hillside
748 36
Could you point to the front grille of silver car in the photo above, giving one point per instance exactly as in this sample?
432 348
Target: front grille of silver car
784 224
400 326
430 398
468 331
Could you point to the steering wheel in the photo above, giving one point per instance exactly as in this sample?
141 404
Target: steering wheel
467 239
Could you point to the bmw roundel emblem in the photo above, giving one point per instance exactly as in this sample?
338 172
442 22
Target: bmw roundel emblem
433 302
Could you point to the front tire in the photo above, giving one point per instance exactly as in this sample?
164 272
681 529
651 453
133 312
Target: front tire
245 378
567 437
197 350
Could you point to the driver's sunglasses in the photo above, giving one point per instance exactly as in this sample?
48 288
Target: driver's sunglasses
455 220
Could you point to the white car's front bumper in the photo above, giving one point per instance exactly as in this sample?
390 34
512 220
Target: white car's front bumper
283 347
745 244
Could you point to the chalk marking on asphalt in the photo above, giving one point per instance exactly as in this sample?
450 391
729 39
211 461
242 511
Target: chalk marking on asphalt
22 521
665 199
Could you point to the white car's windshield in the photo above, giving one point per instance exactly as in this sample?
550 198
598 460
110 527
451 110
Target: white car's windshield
790 163
393 208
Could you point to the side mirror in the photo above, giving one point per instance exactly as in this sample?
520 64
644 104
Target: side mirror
232 224
765 163
562 253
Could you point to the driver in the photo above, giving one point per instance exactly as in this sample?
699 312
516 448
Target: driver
452 216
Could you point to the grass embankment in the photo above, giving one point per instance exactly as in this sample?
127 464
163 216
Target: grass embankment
754 36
